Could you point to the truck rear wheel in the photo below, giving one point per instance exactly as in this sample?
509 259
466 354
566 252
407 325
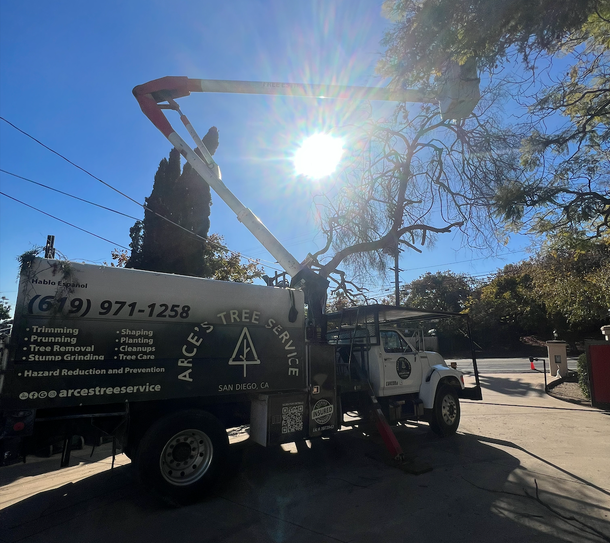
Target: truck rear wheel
445 416
182 455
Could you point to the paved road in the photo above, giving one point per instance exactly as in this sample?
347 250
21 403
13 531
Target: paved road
506 365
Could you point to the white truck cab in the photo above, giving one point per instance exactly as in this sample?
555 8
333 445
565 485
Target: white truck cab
407 383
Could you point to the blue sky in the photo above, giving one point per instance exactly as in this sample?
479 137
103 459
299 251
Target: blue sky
67 69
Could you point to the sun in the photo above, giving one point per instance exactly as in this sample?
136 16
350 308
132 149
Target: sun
318 156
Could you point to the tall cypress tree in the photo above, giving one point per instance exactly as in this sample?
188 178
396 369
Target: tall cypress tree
193 201
184 198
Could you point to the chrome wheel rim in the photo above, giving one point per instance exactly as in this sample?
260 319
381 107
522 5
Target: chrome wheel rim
186 457
449 410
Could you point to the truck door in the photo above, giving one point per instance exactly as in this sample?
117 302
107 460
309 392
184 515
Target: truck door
402 370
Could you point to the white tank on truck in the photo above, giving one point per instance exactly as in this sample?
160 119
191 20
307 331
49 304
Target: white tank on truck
108 331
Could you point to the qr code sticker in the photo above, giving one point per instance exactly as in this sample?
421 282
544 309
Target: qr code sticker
292 419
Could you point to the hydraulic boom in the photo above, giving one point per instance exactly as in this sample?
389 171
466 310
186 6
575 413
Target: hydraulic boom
160 94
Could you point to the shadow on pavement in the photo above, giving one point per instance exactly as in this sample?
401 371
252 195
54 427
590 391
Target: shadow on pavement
38 465
547 407
512 445
328 491
511 386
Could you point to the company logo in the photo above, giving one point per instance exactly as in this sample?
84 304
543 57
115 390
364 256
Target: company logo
403 368
244 353
322 411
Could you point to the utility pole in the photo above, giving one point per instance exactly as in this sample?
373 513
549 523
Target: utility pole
49 250
397 271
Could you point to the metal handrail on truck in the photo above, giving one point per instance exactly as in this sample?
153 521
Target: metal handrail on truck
379 314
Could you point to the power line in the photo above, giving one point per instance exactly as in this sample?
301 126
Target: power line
65 222
70 162
97 205
68 194
464 261
382 290
146 208
102 181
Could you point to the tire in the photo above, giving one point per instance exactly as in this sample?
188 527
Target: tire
78 443
44 452
182 456
445 416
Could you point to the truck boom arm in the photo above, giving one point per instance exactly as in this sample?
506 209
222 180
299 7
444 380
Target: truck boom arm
167 89
151 96
160 94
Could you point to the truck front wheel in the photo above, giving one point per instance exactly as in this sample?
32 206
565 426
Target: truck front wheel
445 416
182 455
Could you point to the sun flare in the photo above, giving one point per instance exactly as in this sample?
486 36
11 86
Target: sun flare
318 156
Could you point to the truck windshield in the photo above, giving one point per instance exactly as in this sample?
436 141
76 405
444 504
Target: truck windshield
393 343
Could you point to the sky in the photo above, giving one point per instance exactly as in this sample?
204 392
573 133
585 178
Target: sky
67 69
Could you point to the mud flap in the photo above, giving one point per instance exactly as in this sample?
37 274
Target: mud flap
323 405
472 393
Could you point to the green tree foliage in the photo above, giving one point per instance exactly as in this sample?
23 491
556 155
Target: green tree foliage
573 280
5 309
415 176
184 198
426 33
506 308
564 289
571 189
564 46
440 291
443 291
501 310
583 375
224 265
